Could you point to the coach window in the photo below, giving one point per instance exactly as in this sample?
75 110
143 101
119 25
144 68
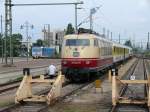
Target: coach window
99 43
111 49
102 48
95 42
110 52
114 50
107 47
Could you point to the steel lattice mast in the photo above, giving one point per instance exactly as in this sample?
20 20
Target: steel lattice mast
8 22
8 30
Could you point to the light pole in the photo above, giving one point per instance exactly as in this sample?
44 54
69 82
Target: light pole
27 26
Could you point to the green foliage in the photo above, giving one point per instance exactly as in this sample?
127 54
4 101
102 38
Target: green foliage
147 53
16 44
39 43
135 50
128 43
70 29
45 43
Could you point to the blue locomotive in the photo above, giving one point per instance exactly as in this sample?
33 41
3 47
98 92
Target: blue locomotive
43 52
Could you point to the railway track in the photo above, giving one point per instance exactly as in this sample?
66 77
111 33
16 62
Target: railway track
67 90
12 85
39 66
134 92
18 70
27 107
15 84
41 107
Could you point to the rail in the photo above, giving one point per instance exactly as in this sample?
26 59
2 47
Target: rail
118 98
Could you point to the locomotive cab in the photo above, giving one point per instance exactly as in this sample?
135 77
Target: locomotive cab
79 54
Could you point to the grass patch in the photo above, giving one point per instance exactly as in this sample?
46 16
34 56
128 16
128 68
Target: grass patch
4 104
73 108
15 80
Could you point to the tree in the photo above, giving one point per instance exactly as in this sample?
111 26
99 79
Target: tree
45 43
39 43
128 43
16 44
70 29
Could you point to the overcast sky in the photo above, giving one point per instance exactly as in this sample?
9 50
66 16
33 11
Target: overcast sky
129 17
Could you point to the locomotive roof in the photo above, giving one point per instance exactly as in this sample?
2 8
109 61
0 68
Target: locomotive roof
86 36
90 36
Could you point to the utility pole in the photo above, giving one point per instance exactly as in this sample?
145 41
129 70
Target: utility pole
49 36
8 30
2 36
91 20
1 24
108 34
8 22
44 33
76 27
119 38
111 36
104 32
43 4
76 18
141 45
92 11
27 26
148 44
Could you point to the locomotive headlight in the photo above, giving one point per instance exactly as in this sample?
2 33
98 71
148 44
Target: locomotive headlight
87 62
64 62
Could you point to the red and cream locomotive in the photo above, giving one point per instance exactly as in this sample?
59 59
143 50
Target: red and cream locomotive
86 54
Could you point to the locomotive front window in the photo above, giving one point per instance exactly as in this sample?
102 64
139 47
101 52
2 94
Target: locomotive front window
36 50
77 42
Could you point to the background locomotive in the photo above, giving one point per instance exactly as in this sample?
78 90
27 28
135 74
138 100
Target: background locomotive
43 52
84 55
